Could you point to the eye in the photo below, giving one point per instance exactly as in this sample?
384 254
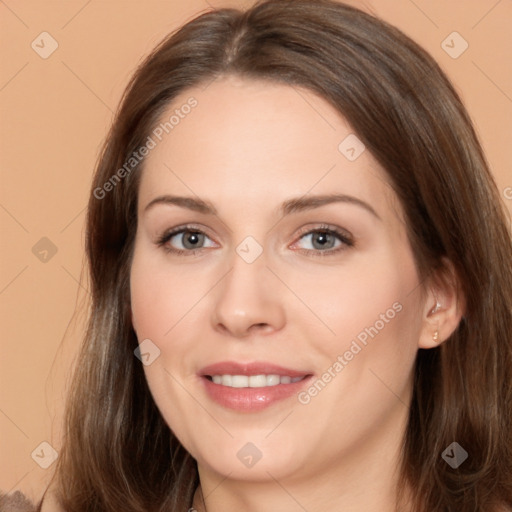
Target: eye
322 241
326 240
184 240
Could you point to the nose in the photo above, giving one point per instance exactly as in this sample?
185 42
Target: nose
249 300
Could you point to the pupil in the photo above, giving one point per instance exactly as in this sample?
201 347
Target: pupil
192 239
322 239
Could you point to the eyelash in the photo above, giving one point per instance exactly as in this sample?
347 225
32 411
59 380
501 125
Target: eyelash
343 236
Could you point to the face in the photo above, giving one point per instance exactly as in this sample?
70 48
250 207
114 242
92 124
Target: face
289 260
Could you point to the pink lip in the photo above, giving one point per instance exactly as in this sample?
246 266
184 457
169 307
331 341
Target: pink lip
251 399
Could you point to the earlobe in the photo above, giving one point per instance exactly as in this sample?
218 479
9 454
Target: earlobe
444 307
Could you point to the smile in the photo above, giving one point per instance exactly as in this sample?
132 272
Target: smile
252 381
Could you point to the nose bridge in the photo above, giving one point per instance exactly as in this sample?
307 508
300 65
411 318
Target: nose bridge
247 295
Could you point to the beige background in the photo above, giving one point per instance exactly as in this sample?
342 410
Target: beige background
54 115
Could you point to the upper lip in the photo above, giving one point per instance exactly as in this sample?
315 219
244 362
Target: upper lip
254 368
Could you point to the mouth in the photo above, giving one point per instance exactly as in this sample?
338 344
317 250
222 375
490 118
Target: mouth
252 387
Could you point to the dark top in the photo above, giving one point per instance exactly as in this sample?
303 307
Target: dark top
17 502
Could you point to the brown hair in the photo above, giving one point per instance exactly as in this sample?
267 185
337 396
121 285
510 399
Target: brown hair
118 452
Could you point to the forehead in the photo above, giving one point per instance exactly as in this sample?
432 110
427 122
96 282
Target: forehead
253 143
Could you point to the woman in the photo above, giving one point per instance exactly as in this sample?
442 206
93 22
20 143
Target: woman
301 281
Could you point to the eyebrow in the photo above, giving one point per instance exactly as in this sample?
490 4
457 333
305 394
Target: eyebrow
293 205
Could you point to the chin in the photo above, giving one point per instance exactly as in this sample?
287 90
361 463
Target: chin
253 461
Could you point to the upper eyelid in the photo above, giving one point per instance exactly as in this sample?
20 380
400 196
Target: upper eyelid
187 227
325 227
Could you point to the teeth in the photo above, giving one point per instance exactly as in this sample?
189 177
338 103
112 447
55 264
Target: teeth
258 381
238 381
253 381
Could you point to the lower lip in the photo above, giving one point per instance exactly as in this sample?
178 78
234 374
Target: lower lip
252 399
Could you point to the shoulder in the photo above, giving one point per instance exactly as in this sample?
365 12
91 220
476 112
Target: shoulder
16 502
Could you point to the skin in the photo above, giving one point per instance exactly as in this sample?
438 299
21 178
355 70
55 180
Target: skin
246 148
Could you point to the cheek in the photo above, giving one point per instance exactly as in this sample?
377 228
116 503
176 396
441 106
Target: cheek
368 298
382 331
160 296
373 309
374 313
151 307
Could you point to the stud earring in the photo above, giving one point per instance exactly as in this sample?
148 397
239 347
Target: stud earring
435 337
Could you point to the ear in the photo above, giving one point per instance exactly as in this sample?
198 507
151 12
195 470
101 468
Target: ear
443 308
